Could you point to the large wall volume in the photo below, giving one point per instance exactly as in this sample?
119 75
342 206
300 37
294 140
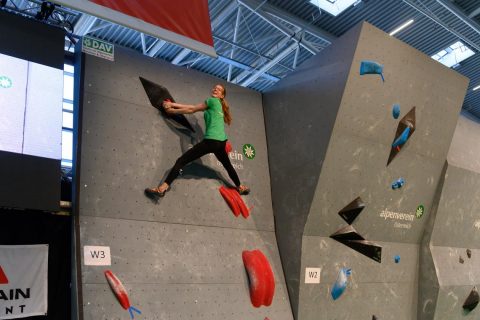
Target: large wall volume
180 258
349 133
450 249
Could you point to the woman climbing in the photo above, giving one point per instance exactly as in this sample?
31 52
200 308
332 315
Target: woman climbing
216 113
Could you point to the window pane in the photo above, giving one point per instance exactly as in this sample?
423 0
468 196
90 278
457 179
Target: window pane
68 68
67 87
67 120
66 163
67 106
67 147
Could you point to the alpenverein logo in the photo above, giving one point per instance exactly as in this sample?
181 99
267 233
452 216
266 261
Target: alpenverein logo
3 277
5 82
249 151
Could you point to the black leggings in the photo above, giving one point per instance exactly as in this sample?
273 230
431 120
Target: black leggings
204 147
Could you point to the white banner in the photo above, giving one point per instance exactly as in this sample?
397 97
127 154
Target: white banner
23 281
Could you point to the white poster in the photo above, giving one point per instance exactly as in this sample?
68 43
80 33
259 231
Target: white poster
23 281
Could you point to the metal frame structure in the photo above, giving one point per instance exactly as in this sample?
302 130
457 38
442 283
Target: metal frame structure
258 42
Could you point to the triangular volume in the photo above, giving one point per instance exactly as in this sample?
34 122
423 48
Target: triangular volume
157 94
3 277
367 248
472 300
352 210
405 129
347 233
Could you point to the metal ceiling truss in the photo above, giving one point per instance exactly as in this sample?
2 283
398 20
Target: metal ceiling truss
450 18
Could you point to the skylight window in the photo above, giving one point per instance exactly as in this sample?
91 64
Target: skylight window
453 55
334 7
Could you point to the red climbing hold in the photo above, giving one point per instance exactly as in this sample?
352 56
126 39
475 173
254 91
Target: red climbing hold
238 199
118 289
234 201
230 200
228 147
260 277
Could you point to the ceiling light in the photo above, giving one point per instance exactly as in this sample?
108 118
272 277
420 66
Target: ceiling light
403 26
334 7
476 88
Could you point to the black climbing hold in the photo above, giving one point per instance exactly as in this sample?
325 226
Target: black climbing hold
352 210
157 94
351 238
460 259
469 253
472 300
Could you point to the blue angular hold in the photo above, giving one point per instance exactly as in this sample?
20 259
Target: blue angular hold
396 111
371 67
397 184
402 138
397 258
341 283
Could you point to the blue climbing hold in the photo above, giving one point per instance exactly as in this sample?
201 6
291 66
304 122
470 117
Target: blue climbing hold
396 111
397 184
371 67
397 258
402 138
341 283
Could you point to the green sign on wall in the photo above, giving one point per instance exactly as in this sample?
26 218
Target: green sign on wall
98 48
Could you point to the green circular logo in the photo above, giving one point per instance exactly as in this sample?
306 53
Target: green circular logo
420 211
5 82
249 151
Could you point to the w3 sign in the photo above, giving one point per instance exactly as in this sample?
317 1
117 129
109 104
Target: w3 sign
96 256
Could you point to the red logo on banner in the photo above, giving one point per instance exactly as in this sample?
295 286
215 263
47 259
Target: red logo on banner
3 277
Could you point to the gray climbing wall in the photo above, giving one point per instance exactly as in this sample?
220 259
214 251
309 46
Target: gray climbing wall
448 273
329 133
179 258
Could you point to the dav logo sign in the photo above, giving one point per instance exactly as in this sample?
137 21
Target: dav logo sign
23 281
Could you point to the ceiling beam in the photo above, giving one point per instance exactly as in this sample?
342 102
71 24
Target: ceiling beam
460 15
248 68
252 6
269 65
264 56
153 51
444 25
84 24
214 24
474 13
235 32
290 18
142 39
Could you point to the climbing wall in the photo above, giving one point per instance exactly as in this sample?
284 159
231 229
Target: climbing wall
349 131
450 249
179 258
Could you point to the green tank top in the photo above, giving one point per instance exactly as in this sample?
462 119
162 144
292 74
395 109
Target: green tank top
213 115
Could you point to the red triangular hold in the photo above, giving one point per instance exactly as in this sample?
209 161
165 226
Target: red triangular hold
3 277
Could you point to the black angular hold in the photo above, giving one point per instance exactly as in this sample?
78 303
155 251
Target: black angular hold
408 121
374 317
351 238
352 210
469 253
471 301
367 248
157 94
347 233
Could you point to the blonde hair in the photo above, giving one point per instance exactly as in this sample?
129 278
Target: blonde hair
227 117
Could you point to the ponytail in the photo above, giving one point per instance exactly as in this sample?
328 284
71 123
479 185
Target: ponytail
227 117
